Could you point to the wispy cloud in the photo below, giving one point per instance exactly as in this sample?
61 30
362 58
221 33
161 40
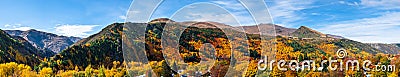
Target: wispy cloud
16 27
231 5
287 12
349 3
381 29
7 25
382 4
122 17
74 30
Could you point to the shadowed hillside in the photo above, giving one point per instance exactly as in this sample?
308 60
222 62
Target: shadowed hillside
17 50
99 49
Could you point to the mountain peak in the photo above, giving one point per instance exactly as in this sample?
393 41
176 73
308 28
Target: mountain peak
305 32
161 20
305 28
32 30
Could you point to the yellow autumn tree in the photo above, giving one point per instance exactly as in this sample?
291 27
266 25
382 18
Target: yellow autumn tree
17 70
67 73
46 72
328 48
283 51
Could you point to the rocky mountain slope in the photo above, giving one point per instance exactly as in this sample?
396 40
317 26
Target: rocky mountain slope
18 50
44 41
386 48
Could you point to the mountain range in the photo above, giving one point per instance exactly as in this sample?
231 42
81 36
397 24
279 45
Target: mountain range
386 48
105 47
43 40
292 44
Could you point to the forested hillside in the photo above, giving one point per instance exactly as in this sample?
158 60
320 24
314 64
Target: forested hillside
12 50
101 49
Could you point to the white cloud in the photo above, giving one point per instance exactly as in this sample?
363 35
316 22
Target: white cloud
16 27
315 14
342 2
381 29
74 30
21 28
286 12
7 25
349 3
382 4
122 17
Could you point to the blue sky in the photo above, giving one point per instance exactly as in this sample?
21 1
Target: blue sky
369 21
65 17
